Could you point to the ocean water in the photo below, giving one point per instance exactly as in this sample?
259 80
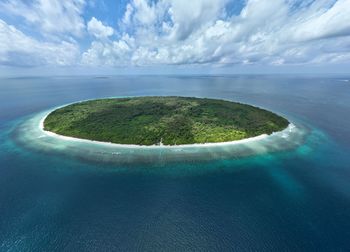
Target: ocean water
291 199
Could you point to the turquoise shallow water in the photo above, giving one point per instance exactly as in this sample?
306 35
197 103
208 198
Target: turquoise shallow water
294 199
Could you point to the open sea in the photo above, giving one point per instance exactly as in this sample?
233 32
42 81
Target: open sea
295 199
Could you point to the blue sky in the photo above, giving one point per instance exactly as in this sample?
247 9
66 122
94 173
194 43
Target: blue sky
174 36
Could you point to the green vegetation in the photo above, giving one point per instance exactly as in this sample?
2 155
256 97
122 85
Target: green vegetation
170 120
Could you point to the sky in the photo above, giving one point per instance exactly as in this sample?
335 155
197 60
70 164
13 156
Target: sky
174 36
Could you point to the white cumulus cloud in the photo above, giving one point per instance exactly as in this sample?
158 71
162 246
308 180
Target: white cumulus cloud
50 16
177 32
17 49
99 30
274 32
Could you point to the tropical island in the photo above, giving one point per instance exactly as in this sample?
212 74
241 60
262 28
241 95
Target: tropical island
167 120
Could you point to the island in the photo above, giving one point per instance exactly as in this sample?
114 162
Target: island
162 120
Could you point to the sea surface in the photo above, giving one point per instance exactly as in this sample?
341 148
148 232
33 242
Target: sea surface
295 199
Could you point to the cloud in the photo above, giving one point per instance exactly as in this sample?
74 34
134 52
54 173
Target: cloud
178 32
54 16
200 32
127 15
99 30
326 23
17 49
111 53
188 16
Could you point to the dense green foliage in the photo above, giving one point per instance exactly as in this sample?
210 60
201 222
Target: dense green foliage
170 120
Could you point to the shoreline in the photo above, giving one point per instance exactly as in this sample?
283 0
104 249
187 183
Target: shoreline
289 128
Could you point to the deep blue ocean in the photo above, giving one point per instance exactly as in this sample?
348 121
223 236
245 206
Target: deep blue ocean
292 200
